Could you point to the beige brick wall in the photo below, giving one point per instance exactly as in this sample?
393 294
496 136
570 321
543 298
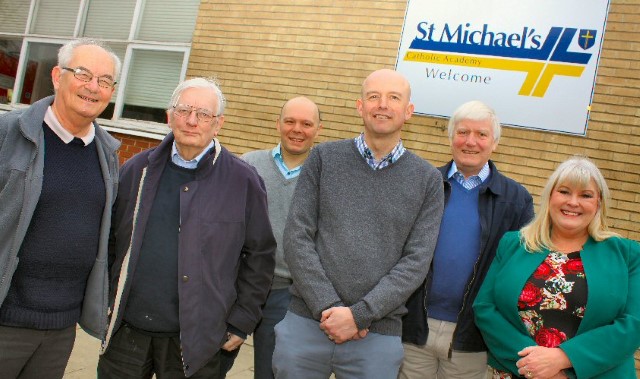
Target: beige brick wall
267 51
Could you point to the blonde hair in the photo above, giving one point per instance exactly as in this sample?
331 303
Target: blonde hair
577 171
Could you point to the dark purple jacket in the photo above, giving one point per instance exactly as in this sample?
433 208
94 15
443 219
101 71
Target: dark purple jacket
503 205
226 247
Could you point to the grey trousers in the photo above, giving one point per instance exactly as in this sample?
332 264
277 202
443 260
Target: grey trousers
35 354
304 351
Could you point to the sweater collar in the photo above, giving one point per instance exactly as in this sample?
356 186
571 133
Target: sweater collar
54 124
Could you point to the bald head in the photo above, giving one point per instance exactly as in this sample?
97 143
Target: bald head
385 75
301 102
298 125
385 106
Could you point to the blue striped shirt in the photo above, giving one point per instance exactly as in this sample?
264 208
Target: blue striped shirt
366 153
472 181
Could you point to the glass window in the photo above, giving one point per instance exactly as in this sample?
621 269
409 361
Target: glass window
168 20
109 19
120 49
13 18
153 75
41 59
152 38
55 17
9 58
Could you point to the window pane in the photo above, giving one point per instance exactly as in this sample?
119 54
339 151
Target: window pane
13 17
120 49
41 58
55 17
9 56
153 75
109 19
168 20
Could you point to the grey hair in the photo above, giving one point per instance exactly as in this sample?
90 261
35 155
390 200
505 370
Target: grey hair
210 83
66 52
578 171
477 111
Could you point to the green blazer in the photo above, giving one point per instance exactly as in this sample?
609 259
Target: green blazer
609 333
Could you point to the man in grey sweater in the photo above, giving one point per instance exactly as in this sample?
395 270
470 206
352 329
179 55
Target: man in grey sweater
359 238
298 125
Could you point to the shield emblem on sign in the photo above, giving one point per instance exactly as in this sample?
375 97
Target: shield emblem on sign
586 38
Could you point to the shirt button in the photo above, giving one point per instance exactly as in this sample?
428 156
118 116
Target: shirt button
185 278
186 189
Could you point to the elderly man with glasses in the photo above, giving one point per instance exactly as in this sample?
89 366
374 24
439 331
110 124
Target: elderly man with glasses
58 178
192 250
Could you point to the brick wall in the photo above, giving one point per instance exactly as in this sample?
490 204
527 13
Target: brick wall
132 145
266 51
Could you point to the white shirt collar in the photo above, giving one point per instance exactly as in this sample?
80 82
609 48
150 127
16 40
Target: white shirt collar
54 124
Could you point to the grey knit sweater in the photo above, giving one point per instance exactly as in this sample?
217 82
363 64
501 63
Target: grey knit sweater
279 194
361 238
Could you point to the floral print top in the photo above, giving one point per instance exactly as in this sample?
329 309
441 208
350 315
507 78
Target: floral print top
553 300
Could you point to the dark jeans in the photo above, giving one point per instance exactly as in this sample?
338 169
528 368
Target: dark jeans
135 355
35 354
264 338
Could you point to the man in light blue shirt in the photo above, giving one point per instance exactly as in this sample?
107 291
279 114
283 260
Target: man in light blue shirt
298 125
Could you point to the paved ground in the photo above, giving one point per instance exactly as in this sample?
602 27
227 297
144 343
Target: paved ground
84 358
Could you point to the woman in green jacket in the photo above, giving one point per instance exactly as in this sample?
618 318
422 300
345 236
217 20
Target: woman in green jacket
562 296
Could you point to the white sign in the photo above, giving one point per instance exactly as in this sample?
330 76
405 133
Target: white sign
533 61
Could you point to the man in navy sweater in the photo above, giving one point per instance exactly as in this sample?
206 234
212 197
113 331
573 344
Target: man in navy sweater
58 178
192 251
481 205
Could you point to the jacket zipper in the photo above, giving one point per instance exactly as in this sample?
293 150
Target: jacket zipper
27 185
464 298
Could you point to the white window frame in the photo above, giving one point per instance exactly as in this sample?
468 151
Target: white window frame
117 123
119 103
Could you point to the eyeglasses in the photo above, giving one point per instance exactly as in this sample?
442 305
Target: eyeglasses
203 115
82 74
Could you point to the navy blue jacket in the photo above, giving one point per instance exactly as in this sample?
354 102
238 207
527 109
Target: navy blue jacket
504 205
226 249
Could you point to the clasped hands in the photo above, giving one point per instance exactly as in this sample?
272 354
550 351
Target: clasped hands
340 326
541 362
